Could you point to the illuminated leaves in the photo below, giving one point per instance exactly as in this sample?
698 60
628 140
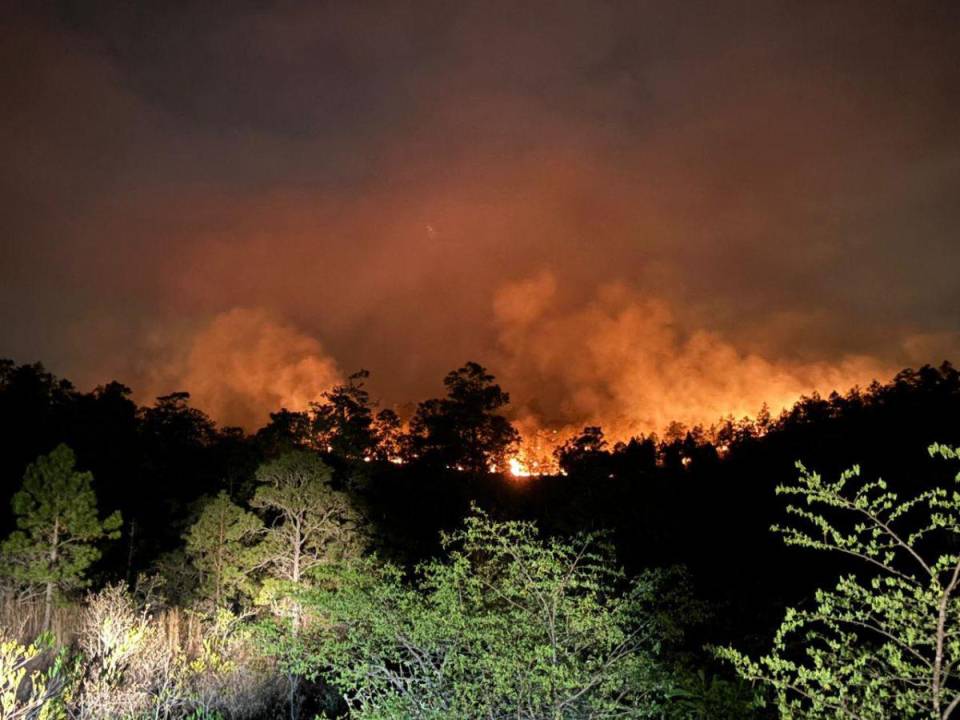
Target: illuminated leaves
885 645
309 523
507 625
58 526
220 544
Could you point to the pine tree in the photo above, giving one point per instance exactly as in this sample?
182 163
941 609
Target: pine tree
58 528
219 544
465 430
343 422
312 524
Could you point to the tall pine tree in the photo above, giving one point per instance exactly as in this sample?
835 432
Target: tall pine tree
220 545
58 528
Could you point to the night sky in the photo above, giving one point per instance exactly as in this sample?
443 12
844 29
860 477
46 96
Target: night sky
630 212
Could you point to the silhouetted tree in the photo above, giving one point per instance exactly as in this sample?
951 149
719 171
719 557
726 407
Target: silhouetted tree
34 409
173 422
583 451
388 434
343 425
286 431
176 468
463 430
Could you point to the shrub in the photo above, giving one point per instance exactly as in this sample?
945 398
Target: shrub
130 669
884 645
127 666
30 687
508 625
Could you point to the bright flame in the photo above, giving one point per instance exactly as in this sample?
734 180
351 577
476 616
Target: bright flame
517 468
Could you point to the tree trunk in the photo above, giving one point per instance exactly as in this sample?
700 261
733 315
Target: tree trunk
295 621
219 563
294 696
295 574
130 546
48 596
941 640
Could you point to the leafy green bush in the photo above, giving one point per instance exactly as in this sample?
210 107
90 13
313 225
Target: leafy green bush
704 696
507 625
30 687
885 645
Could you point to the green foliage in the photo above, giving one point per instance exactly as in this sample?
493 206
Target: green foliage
508 625
26 690
704 696
885 645
221 545
58 526
310 524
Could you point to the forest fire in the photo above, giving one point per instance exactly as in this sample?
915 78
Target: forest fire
517 468
456 360
520 468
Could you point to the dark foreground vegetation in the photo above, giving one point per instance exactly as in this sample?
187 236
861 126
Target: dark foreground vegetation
340 563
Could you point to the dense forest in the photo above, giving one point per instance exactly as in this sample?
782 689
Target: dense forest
345 561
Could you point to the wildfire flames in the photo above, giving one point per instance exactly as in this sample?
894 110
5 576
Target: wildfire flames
618 360
517 468
525 465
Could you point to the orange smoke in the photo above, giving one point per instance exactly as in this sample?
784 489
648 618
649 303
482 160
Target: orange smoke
622 360
245 363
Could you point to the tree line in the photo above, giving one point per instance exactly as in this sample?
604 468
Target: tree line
391 570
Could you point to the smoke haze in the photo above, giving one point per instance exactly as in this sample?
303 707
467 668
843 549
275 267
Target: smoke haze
621 361
630 212
244 364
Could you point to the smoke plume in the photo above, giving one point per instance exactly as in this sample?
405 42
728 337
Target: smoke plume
245 363
738 202
624 361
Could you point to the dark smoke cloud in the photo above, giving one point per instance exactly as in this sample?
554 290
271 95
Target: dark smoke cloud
361 185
